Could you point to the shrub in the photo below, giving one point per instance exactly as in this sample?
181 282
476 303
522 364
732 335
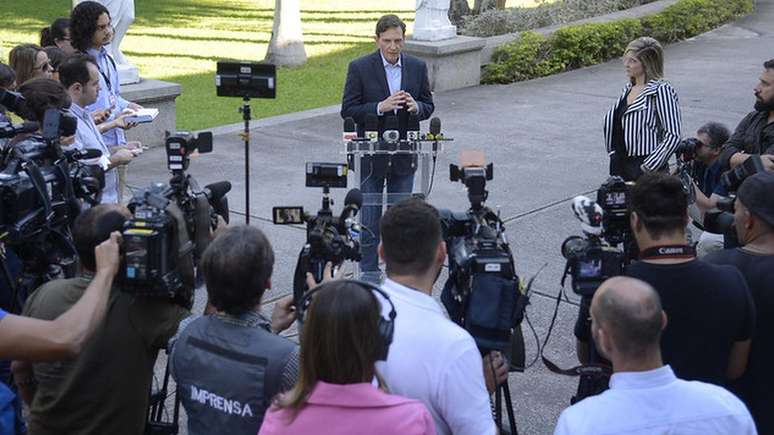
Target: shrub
572 47
498 22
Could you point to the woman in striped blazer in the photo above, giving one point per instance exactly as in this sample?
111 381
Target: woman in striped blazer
642 129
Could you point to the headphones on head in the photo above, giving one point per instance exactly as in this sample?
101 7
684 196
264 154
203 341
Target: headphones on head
385 327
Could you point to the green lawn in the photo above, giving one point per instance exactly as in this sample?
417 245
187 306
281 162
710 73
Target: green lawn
181 40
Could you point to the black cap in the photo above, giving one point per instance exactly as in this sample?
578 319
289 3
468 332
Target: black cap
757 194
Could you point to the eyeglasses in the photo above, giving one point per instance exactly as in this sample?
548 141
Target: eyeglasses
45 67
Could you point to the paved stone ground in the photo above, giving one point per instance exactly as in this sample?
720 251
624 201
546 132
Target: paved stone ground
545 138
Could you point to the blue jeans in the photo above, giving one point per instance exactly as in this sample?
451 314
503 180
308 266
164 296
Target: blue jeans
373 175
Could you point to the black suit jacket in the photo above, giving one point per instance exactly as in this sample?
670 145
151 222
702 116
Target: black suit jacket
366 86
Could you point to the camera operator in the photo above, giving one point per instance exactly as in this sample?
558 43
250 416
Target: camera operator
234 355
710 307
79 74
431 359
755 133
754 220
65 335
646 396
104 389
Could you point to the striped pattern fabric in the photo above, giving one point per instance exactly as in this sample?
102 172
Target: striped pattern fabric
651 124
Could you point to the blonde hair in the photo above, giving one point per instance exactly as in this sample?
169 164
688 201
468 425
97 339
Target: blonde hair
650 54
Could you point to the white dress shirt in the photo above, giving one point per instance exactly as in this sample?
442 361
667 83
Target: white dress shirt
394 74
433 360
87 136
657 402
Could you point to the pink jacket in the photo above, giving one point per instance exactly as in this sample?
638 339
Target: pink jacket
354 409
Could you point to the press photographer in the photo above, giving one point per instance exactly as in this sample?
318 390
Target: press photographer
701 155
710 308
115 368
754 219
229 365
755 133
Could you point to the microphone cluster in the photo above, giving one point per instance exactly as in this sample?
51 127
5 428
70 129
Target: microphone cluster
391 138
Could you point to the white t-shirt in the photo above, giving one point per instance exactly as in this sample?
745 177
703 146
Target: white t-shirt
656 402
433 360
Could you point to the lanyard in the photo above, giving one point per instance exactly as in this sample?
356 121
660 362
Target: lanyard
668 251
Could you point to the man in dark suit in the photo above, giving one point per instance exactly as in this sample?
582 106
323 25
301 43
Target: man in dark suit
385 83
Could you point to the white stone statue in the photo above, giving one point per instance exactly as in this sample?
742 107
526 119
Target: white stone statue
431 22
122 16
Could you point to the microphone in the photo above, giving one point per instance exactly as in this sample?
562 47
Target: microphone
218 190
589 213
435 129
412 129
372 127
352 203
350 133
391 133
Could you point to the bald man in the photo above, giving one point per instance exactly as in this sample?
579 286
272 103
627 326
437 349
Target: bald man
645 396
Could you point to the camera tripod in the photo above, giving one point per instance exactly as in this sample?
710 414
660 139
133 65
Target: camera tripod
504 390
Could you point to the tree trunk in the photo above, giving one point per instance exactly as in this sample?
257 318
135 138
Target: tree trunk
500 4
483 5
457 10
287 40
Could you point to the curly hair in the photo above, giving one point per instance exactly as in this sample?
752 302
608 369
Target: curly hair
83 23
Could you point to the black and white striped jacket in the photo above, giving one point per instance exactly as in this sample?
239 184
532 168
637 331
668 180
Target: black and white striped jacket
651 125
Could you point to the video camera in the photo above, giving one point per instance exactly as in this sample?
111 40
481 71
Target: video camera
482 293
603 250
41 188
171 225
329 238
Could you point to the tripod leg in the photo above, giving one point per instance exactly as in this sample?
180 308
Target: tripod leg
506 390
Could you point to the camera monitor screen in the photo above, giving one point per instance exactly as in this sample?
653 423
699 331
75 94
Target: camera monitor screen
246 79
288 215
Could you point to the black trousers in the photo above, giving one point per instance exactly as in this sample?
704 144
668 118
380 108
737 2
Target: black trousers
626 167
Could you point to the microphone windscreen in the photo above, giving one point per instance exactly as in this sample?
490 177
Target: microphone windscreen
218 190
391 123
371 122
435 126
349 125
354 197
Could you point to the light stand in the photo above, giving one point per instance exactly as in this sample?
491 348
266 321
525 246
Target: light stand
246 116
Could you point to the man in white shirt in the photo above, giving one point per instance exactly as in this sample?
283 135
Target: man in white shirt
645 396
431 359
79 74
